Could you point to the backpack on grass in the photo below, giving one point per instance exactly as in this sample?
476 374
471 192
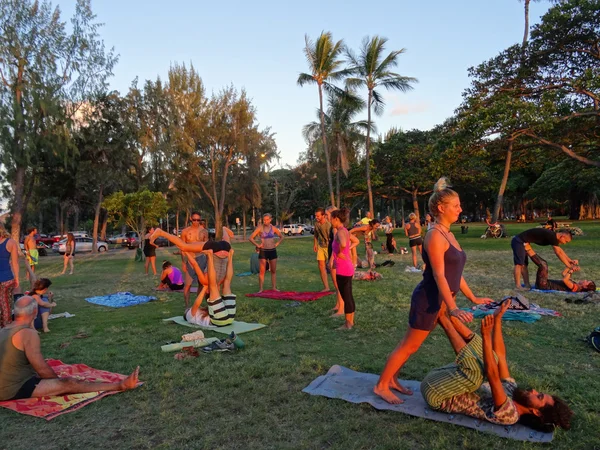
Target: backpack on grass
594 339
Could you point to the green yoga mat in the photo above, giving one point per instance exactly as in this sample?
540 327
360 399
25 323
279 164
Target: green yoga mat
237 327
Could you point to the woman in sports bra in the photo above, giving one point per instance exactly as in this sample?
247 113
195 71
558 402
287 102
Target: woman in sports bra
442 279
370 235
267 250
412 229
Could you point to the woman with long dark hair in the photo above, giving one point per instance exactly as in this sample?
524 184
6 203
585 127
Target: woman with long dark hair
69 253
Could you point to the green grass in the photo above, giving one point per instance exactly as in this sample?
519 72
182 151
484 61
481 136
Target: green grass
253 399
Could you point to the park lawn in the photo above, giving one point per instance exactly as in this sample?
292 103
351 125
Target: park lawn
253 398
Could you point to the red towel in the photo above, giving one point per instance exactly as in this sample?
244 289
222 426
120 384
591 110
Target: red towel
291 295
51 407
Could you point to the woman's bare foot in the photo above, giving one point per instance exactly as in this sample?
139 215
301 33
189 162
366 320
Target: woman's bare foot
326 290
337 314
131 381
395 385
46 330
346 326
386 394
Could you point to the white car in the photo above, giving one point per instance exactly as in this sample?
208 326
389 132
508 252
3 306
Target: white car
82 244
293 228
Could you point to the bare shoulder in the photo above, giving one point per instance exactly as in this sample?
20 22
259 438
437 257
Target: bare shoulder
26 337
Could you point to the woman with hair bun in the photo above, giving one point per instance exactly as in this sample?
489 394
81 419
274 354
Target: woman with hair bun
442 279
342 263
412 229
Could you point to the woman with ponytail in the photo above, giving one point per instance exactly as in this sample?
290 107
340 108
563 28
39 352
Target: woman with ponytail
442 279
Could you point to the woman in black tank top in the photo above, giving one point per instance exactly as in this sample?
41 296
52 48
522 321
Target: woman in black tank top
442 279
412 229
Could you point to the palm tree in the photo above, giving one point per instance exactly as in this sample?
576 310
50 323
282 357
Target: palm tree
372 70
346 134
325 64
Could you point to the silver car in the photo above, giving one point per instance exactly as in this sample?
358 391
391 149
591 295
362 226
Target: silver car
82 244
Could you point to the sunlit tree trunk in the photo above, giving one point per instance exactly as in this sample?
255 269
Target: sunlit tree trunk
368 154
325 148
504 182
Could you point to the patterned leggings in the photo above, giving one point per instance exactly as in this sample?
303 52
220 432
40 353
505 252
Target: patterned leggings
6 290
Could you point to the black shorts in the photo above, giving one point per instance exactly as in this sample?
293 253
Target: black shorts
415 242
268 254
149 252
27 389
424 309
519 253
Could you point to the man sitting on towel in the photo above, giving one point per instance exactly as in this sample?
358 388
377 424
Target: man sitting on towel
566 284
23 371
221 307
459 387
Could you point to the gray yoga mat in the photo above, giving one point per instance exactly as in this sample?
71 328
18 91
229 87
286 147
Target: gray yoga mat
356 387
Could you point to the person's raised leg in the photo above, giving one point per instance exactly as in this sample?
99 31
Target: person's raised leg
456 340
211 273
228 274
63 386
273 270
323 273
261 274
388 379
187 286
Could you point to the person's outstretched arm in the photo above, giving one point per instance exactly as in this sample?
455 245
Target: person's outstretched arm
361 229
560 253
466 290
491 368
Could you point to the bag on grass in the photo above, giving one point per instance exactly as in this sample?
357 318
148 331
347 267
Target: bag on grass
594 339
517 302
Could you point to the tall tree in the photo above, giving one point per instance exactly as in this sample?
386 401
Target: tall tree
324 58
372 69
46 73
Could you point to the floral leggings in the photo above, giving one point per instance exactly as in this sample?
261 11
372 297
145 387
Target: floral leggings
6 292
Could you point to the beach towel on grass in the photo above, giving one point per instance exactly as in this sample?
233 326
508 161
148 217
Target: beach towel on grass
237 327
516 316
533 308
357 387
120 300
192 289
291 295
51 407
245 274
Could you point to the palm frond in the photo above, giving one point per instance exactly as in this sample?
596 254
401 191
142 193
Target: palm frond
378 103
305 78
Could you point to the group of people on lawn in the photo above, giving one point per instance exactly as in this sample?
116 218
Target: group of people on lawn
456 388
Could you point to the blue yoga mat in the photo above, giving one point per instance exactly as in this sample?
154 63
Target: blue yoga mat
120 300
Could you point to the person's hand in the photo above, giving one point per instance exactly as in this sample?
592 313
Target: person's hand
502 309
487 325
315 248
482 300
16 283
574 262
341 256
53 304
461 315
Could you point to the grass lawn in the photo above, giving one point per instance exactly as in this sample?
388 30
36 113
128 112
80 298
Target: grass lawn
253 398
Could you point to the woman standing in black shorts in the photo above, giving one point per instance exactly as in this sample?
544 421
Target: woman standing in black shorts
150 250
267 250
412 229
442 279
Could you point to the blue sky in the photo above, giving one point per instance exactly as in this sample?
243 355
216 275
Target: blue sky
258 45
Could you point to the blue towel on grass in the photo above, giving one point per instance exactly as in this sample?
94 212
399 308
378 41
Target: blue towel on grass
522 316
120 300
244 274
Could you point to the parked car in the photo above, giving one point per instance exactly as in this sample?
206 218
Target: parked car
309 228
131 241
42 248
117 239
82 244
293 228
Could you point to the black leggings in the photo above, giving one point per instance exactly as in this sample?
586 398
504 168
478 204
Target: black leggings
174 287
541 278
345 287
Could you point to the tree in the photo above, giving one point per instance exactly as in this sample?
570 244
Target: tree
371 69
136 210
325 64
46 73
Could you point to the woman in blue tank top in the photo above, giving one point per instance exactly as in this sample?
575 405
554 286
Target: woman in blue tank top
9 274
442 279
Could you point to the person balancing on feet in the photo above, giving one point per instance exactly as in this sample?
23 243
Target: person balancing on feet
459 388
24 372
521 247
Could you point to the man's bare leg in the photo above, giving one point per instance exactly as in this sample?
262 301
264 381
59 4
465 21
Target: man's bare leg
323 272
228 275
63 386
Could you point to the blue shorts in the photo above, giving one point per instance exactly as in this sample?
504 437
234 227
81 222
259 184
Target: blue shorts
519 254
424 309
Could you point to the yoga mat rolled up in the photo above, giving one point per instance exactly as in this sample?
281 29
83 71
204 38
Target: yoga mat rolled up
180 345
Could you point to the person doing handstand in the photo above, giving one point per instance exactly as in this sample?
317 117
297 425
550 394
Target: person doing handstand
221 306
24 372
459 388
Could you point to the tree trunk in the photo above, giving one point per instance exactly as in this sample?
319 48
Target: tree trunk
17 216
177 233
76 219
97 221
337 179
415 201
325 149
526 31
40 224
244 224
502 189
368 154
104 221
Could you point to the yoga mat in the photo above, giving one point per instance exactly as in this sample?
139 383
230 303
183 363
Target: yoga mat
192 289
291 295
180 345
245 274
120 300
517 316
357 387
238 327
51 407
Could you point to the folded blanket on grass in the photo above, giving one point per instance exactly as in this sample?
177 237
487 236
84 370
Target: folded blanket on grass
120 300
192 289
291 295
357 387
238 327
512 315
51 407
533 308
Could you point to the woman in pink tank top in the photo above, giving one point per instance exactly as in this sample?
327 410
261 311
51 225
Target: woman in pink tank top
343 264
